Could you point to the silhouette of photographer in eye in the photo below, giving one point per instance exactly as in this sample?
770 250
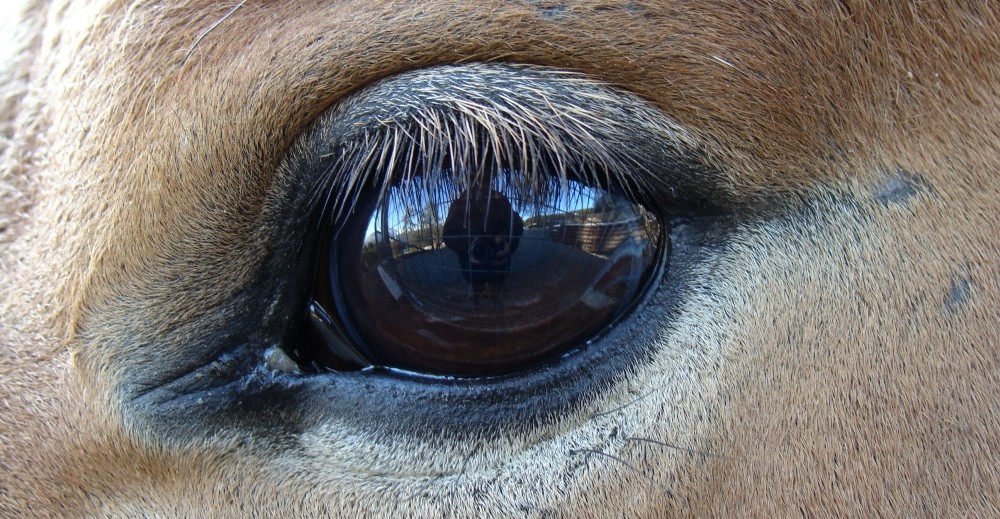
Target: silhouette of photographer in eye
483 230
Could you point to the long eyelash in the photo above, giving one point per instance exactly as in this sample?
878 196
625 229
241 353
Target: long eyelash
546 126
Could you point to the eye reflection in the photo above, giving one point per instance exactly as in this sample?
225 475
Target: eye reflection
491 276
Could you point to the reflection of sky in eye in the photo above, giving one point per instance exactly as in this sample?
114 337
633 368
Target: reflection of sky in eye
406 212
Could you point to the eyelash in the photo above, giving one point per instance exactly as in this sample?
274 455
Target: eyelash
541 137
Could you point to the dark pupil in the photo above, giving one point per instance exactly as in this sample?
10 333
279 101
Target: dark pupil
488 277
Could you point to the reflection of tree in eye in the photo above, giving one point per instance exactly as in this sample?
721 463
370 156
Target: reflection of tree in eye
418 206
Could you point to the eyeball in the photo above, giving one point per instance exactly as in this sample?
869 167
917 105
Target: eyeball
446 276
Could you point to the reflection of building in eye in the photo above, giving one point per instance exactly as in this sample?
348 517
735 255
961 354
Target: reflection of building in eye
484 231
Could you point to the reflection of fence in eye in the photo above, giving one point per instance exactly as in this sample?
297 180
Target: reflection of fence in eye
569 230
595 237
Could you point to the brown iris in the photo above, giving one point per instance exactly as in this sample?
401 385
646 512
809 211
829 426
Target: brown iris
438 277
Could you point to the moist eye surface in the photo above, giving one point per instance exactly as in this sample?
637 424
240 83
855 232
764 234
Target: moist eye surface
454 276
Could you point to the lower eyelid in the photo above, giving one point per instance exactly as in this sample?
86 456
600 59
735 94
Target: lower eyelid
245 395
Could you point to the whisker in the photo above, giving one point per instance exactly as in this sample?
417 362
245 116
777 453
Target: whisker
623 406
210 28
645 476
683 449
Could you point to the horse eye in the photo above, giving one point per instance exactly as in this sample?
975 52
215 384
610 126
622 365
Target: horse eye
449 276
479 220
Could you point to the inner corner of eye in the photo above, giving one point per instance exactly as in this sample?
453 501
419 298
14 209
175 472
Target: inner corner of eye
480 274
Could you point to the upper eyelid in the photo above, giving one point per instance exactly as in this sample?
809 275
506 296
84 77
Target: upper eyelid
539 121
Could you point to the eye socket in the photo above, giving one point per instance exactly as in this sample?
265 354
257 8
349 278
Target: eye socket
541 138
455 277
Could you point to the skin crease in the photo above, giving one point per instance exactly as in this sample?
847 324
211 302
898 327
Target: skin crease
844 360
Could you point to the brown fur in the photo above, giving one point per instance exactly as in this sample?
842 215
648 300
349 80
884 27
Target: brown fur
846 361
